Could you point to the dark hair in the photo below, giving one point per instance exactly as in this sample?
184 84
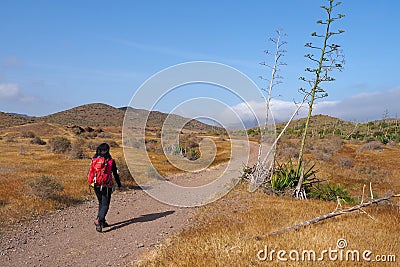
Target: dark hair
103 150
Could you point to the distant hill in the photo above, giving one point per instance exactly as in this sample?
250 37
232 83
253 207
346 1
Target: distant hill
8 120
156 119
21 115
385 130
319 124
101 115
317 120
88 115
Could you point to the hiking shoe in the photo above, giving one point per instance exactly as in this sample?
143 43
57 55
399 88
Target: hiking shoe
99 228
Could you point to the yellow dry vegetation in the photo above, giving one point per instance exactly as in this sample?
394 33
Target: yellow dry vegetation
227 232
161 163
21 162
231 231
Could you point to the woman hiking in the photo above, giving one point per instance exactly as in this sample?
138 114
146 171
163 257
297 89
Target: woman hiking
100 177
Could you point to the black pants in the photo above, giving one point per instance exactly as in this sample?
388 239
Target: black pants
104 198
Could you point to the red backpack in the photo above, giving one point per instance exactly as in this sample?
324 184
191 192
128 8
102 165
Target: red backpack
100 172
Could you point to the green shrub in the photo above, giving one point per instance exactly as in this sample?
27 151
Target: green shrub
179 150
59 144
330 192
193 154
45 187
287 176
254 131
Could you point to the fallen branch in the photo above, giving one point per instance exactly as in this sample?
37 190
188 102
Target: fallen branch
331 215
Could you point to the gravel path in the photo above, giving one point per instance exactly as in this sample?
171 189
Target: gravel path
68 237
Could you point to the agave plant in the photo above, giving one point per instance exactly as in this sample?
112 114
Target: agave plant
287 175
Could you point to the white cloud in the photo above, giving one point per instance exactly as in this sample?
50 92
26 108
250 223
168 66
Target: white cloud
361 107
11 91
279 111
366 106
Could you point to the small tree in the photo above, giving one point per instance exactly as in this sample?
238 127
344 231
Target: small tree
261 171
330 58
275 68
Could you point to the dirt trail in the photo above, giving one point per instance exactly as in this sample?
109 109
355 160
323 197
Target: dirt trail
68 237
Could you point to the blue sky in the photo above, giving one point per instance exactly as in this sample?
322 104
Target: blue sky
55 55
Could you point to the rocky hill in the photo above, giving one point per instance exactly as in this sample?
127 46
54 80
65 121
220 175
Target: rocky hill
101 115
7 120
87 115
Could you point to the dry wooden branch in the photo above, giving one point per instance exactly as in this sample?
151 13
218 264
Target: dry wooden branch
331 215
370 190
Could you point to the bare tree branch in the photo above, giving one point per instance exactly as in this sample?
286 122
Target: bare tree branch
331 215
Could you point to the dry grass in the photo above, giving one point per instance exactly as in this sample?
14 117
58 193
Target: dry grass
22 162
227 230
382 168
165 168
19 169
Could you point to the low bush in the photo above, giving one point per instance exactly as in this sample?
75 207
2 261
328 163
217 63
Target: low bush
124 173
59 144
324 149
112 143
28 134
193 154
45 187
370 146
38 141
345 162
88 135
104 135
77 149
92 145
289 152
10 139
